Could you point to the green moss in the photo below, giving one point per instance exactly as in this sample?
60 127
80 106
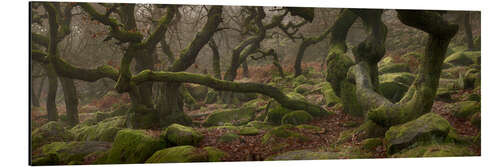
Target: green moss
394 68
299 80
329 95
466 108
368 129
464 58
259 125
49 132
211 97
394 85
283 131
310 128
371 143
198 92
472 79
228 137
304 155
176 154
102 131
428 127
275 112
214 154
50 159
434 150
256 104
73 151
304 88
133 146
349 99
182 135
296 118
476 119
235 116
248 131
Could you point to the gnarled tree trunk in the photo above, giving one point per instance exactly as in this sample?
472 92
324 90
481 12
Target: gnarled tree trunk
71 100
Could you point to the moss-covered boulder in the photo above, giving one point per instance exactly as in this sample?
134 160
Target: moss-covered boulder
464 58
234 116
472 79
259 125
394 85
304 88
186 154
466 108
228 137
50 159
102 131
256 104
394 68
386 61
182 135
304 155
73 151
371 144
244 97
133 146
329 95
199 92
434 150
296 117
248 131
276 111
50 132
211 97
444 94
299 80
310 129
427 127
283 131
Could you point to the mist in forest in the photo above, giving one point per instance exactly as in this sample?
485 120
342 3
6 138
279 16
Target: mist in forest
116 83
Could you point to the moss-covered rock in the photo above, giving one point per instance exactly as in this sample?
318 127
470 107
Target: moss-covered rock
329 95
133 146
50 159
394 85
466 108
434 150
211 97
182 135
256 104
244 97
228 137
464 58
472 79
248 131
186 154
296 117
427 127
283 131
199 92
386 61
276 111
304 88
73 151
259 125
50 132
444 94
235 116
102 131
371 144
176 154
394 68
299 80
304 155
474 97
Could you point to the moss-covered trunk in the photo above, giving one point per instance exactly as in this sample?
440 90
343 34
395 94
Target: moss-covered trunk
70 100
35 99
468 31
215 59
51 95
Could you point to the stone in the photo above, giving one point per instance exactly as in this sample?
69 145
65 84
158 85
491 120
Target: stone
177 134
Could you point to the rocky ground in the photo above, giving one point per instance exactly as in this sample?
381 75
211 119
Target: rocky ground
256 128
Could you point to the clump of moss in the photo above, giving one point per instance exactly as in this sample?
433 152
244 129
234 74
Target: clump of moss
428 127
296 117
283 131
182 135
73 151
186 154
102 131
235 116
248 131
228 137
50 132
466 109
329 95
371 143
133 146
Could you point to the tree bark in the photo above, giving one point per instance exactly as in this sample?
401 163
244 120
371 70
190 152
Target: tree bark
246 73
215 59
35 99
468 31
71 100
51 95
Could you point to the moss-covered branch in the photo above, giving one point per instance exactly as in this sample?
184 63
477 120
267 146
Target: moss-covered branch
115 28
209 81
159 32
188 55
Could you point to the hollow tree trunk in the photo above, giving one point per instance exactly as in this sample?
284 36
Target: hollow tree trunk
71 100
468 31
